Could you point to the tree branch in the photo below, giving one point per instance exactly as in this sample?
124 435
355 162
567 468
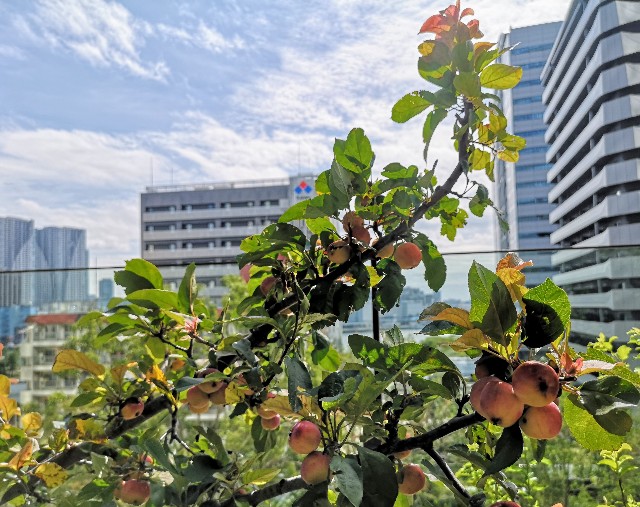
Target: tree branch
446 469
260 495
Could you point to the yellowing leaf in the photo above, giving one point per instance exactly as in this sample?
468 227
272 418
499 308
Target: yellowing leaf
51 474
457 316
508 155
374 277
500 76
427 47
514 279
156 375
32 424
233 394
512 260
118 372
261 476
497 122
75 360
8 407
5 385
22 456
472 339
280 404
86 429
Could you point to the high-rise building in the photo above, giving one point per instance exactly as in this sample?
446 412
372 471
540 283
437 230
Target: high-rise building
16 254
592 97
62 252
206 223
521 188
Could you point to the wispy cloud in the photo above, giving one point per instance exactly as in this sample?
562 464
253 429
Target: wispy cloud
103 33
7 51
201 35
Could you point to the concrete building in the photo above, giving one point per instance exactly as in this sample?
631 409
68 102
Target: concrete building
206 223
43 337
592 97
16 254
521 189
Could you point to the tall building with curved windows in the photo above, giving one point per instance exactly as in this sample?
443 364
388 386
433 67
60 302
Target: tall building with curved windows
521 188
592 97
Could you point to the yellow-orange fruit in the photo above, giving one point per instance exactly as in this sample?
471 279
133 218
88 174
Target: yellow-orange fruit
542 423
339 252
412 479
408 255
315 468
351 219
535 384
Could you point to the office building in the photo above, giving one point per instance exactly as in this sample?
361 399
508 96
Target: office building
521 188
42 338
592 98
16 254
206 223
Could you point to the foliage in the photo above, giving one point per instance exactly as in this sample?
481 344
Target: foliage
155 416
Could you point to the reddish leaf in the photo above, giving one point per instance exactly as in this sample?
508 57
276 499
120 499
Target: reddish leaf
435 24
474 29
467 12
453 11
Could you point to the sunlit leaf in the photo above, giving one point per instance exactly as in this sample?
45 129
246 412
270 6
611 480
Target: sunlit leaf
456 316
500 76
471 339
51 474
76 360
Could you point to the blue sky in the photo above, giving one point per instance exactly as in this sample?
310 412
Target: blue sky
95 96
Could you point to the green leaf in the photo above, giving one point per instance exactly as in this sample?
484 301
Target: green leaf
467 84
262 440
435 269
585 429
295 212
243 347
154 298
317 225
512 142
260 477
500 76
409 106
389 289
138 274
432 120
347 474
297 377
86 398
380 486
188 290
480 201
492 309
608 393
479 159
202 467
508 449
357 149
548 312
158 452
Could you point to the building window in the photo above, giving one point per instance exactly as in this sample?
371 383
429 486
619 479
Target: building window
529 184
534 167
529 82
520 50
532 65
528 100
532 116
534 149
535 200
531 133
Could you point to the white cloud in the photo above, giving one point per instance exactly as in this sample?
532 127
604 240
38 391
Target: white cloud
103 33
7 51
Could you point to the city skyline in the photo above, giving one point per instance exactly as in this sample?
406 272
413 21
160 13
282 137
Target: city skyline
101 99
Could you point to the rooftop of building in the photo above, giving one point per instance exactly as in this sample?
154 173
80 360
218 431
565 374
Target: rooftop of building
222 185
49 319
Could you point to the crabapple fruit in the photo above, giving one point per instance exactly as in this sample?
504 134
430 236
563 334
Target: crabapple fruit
351 219
535 384
271 423
209 386
542 423
476 392
339 252
361 234
305 437
133 491
412 479
385 252
315 468
131 409
408 255
499 404
267 284
197 398
505 503
219 397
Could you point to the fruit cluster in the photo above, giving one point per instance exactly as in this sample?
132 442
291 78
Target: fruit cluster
529 398
305 438
407 255
201 396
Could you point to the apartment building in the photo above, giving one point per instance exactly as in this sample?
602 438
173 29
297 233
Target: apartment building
521 188
206 223
592 97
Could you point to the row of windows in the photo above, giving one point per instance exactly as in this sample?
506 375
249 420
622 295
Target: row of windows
531 235
533 200
534 218
530 82
224 205
532 65
211 225
532 116
531 133
150 247
529 49
534 167
528 100
530 184
534 149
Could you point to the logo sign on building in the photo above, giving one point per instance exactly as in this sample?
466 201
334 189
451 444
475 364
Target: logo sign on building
302 188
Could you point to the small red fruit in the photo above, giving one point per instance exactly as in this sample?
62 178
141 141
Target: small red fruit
131 409
271 423
408 255
315 468
339 252
305 437
267 284
133 491
535 383
505 503
542 423
351 219
412 479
